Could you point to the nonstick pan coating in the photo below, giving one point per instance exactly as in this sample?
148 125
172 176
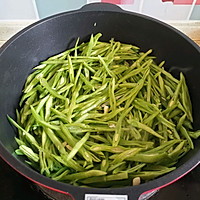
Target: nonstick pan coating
53 35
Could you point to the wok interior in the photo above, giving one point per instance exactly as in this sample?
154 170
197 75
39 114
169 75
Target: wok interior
55 34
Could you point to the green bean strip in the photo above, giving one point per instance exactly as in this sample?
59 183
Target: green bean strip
105 163
36 79
148 175
77 146
72 142
50 90
106 67
29 153
85 97
71 164
118 130
176 93
187 136
136 168
102 147
71 69
186 99
120 176
55 140
145 127
29 137
177 151
26 107
125 155
87 83
148 157
41 121
83 175
57 178
180 122
48 108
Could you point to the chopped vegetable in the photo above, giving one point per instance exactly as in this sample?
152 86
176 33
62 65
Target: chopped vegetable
104 114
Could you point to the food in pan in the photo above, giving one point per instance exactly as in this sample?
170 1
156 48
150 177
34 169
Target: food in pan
104 114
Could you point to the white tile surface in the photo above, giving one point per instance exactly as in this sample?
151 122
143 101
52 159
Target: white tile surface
17 9
9 28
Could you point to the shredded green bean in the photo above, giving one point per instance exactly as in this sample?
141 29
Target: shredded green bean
101 114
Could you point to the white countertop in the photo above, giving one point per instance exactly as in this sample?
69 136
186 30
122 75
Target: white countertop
9 28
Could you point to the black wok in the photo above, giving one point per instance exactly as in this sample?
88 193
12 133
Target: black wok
53 35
